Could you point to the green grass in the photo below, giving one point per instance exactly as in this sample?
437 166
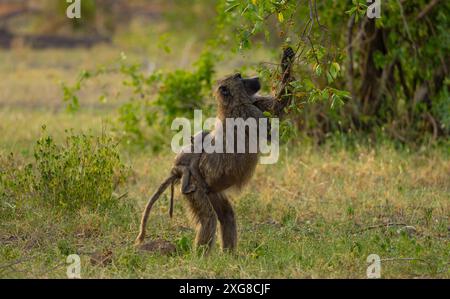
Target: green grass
314 214
317 213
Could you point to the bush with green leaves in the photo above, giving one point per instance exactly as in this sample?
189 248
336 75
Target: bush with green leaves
395 68
16 185
156 99
355 74
83 171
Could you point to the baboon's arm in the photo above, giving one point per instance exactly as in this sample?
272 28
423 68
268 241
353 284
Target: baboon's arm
276 104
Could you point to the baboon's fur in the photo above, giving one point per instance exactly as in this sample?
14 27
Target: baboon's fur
236 98
186 165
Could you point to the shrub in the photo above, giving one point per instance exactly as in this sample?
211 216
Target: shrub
83 171
156 99
16 180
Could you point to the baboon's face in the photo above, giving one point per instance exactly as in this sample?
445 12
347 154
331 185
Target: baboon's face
235 90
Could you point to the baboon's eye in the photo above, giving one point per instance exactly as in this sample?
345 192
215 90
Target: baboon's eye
224 91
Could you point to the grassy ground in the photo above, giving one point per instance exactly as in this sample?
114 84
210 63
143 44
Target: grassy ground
318 212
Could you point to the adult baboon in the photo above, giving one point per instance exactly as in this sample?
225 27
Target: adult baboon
236 98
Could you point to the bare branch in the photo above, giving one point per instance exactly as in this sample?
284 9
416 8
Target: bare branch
351 24
427 9
383 225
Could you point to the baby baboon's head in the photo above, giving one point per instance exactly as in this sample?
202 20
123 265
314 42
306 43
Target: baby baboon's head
235 90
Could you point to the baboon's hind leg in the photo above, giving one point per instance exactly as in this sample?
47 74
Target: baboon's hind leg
205 217
227 219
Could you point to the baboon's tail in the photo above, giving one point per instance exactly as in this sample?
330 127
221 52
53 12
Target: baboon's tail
172 186
169 181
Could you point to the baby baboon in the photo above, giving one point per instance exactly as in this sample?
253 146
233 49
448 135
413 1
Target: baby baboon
186 165
236 98
187 162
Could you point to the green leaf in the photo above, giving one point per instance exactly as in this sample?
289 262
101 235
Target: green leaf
318 70
229 9
335 69
330 77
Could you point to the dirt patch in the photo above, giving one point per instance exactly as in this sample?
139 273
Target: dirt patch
8 240
102 258
160 246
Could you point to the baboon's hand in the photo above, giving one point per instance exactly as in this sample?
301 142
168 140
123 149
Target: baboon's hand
287 59
206 188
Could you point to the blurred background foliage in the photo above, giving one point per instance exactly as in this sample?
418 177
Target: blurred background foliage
355 75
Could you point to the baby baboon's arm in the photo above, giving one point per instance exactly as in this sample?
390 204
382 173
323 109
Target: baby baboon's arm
195 171
192 171
186 185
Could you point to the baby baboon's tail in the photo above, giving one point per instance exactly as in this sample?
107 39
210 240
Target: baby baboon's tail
172 186
170 180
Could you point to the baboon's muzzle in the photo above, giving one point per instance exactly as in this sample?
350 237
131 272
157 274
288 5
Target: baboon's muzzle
252 85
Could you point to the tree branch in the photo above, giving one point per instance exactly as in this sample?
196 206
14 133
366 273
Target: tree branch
427 9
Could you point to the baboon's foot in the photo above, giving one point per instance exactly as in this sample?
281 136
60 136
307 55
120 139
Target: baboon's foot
188 189
139 240
203 250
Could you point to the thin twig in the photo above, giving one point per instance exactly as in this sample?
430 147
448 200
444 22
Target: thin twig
16 262
314 51
122 196
51 269
394 259
427 9
311 17
382 225
408 32
351 24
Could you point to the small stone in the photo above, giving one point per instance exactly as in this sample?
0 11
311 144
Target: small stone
409 230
